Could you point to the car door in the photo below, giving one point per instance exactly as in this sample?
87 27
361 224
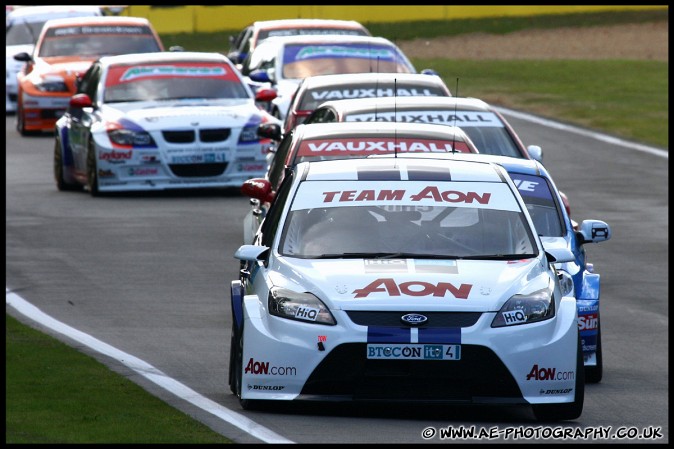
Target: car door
81 119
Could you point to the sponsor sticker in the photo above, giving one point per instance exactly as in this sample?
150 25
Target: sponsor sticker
469 119
416 193
413 352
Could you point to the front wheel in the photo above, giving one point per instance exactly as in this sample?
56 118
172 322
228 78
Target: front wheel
593 374
61 183
92 170
21 121
566 411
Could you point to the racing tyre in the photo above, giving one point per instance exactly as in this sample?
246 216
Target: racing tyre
234 341
21 123
236 353
593 374
572 410
61 183
92 169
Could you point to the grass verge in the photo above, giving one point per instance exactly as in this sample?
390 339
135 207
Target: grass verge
55 394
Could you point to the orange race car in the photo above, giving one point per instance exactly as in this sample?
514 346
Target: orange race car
64 51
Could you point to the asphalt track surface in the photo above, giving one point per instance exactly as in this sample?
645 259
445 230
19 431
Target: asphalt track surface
141 283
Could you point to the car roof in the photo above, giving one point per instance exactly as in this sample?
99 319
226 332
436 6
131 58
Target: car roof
95 20
44 12
323 38
388 169
354 129
511 164
292 23
354 105
349 79
180 56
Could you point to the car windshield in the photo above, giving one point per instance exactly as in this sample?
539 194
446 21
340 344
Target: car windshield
173 81
94 41
485 128
392 223
22 33
301 61
538 197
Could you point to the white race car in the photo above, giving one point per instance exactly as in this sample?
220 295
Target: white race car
403 279
155 121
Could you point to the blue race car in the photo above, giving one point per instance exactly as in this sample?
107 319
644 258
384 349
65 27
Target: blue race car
556 228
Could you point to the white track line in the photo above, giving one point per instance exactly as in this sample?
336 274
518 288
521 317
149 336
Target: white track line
146 370
584 132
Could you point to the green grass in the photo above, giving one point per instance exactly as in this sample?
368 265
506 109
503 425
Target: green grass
628 99
55 394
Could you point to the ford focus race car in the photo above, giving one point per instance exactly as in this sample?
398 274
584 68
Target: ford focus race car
403 279
159 121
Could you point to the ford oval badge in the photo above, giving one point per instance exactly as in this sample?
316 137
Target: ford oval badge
413 319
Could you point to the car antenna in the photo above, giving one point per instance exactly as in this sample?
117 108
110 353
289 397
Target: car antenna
395 117
454 138
376 97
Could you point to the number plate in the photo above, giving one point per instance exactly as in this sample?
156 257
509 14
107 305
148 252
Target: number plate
413 352
199 158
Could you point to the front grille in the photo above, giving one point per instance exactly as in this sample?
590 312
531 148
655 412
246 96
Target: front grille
198 170
178 136
214 135
435 319
479 376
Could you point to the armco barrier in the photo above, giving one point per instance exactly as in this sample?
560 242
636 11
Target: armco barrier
199 18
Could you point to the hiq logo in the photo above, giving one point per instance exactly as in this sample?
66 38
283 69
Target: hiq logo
306 313
514 317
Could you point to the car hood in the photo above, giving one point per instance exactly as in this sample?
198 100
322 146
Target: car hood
185 113
411 284
69 66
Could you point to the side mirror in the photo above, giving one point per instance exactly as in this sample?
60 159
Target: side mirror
261 76
594 231
270 131
535 152
429 72
265 94
23 57
80 101
176 48
558 255
258 188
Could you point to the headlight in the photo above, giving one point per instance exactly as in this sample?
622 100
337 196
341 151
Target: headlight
292 305
129 137
249 134
525 309
566 283
52 84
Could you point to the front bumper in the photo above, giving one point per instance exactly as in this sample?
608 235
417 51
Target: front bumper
531 364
